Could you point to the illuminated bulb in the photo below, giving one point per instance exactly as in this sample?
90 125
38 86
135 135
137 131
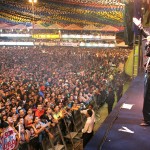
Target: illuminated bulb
33 1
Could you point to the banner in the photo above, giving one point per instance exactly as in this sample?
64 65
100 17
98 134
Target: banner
46 36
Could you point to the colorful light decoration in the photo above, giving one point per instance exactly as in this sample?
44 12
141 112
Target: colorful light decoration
96 13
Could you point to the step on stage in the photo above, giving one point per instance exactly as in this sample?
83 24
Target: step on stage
121 130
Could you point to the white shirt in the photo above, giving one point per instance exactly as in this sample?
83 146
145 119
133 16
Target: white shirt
8 139
85 112
89 125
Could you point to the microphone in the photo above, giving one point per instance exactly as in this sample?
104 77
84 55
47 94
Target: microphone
147 39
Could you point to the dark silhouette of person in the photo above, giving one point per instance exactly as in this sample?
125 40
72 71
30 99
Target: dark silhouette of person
146 104
110 99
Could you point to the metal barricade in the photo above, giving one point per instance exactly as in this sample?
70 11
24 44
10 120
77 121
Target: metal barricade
57 142
77 120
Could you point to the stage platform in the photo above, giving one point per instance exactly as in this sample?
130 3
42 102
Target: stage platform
108 136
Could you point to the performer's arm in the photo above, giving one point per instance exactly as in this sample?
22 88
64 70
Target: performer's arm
139 25
144 33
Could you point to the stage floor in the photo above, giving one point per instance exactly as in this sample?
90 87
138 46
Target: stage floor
109 136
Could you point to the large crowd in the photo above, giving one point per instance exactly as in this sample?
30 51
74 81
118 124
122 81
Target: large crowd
41 85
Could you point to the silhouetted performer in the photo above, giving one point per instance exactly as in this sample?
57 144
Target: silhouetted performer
146 104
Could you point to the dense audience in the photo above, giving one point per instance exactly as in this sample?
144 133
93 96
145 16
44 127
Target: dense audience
41 85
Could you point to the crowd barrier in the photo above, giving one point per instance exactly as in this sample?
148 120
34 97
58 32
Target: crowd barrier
66 132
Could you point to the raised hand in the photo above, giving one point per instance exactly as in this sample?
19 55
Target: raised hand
137 22
148 39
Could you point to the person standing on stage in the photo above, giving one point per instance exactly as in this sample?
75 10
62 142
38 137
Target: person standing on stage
88 128
146 104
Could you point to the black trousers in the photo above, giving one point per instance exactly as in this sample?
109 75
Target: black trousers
86 138
110 106
119 97
146 104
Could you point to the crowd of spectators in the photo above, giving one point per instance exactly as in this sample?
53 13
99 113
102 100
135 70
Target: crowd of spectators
41 85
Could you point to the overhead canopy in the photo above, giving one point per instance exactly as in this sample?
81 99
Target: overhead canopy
79 12
109 28
39 26
19 26
73 27
4 25
55 26
90 27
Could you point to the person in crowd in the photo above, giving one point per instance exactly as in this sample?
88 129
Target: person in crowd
24 135
21 113
39 111
98 97
29 118
119 90
110 99
57 114
39 129
9 135
48 117
103 94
